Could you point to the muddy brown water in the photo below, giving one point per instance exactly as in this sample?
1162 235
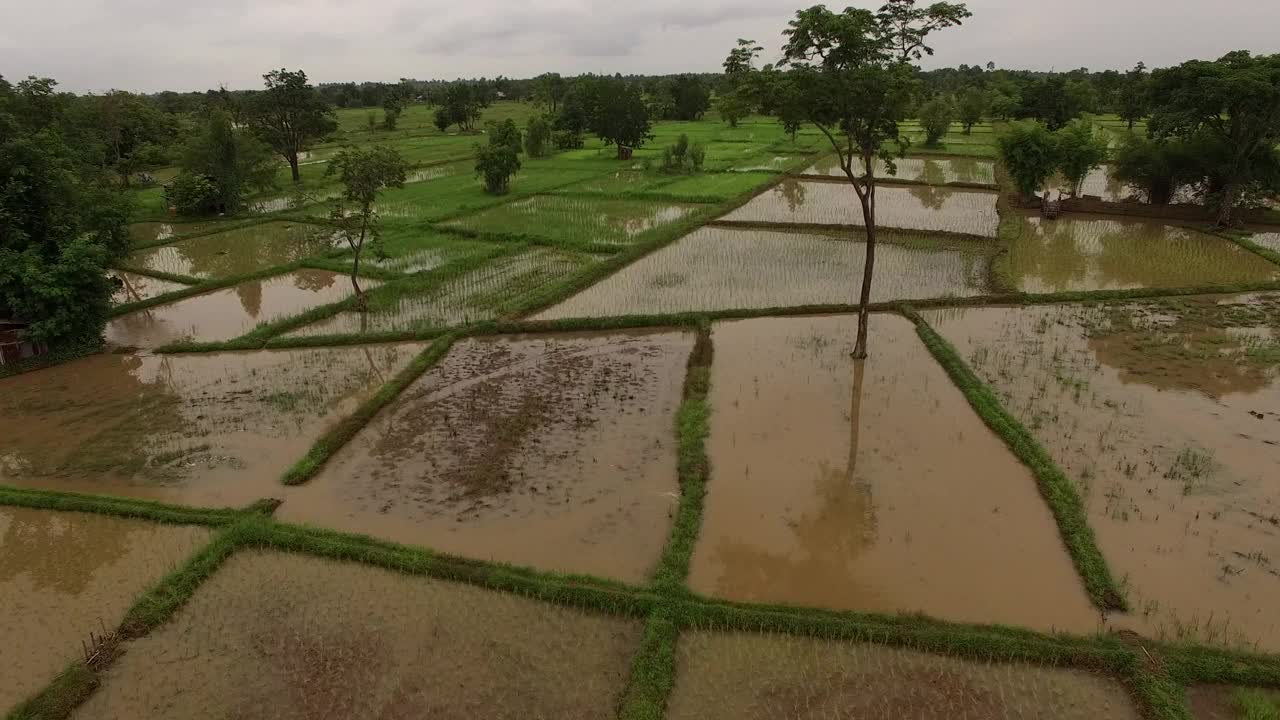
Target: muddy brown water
134 287
717 268
935 171
555 451
1221 702
209 429
301 638
739 676
1171 433
924 207
231 312
145 233
876 490
64 575
1084 252
237 252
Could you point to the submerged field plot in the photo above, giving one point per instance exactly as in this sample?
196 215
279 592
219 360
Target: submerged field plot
924 207
878 490
1091 252
1166 415
134 287
765 677
1269 240
150 233
721 268
548 450
64 575
287 636
933 171
230 312
236 252
210 429
576 220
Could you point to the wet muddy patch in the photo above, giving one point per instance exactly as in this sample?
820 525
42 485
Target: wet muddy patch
64 575
1223 702
133 287
149 233
295 637
718 268
237 252
555 451
576 220
1101 253
231 312
209 429
932 171
869 486
927 208
1164 415
739 676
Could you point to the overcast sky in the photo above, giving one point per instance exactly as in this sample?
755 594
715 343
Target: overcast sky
149 45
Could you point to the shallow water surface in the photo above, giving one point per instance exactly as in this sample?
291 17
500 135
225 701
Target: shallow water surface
237 252
934 171
135 288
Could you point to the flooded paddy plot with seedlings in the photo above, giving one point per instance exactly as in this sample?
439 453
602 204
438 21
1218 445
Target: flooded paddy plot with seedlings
482 294
575 220
237 252
869 486
1166 416
134 287
741 676
231 312
622 182
295 637
928 208
65 575
207 429
718 268
714 186
552 450
1223 702
1269 240
150 233
1087 252
933 171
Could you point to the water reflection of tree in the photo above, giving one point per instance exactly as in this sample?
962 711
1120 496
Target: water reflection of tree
793 191
60 552
250 294
227 255
932 195
1052 255
841 529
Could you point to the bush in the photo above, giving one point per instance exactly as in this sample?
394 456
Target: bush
498 161
1079 150
537 136
567 140
681 158
192 194
935 117
1030 154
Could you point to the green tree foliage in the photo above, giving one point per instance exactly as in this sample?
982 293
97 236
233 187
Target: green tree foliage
690 98
619 116
734 105
1230 108
289 115
1080 150
232 163
394 102
574 118
682 158
1157 167
462 104
936 117
738 94
131 131
363 173
500 159
741 59
1082 97
62 223
1132 97
854 83
971 108
537 137
1003 106
1048 101
549 90
1029 153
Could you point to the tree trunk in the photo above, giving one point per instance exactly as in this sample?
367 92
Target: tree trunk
362 305
1130 124
293 165
864 314
1227 206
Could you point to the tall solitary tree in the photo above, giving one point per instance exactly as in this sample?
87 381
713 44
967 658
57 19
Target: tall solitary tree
363 174
854 80
971 108
619 116
1131 101
289 115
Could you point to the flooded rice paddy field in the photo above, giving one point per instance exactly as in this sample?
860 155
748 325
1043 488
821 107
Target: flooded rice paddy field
297 638
1269 240
486 293
1166 416
553 450
1223 702
869 487
924 207
577 220
236 252
149 233
765 677
1089 252
231 312
135 288
208 429
719 268
64 575
934 171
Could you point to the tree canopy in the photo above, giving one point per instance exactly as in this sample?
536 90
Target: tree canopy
289 115
364 174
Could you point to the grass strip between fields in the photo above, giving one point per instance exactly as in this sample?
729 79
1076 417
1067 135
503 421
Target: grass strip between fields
1058 491
339 435
118 507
